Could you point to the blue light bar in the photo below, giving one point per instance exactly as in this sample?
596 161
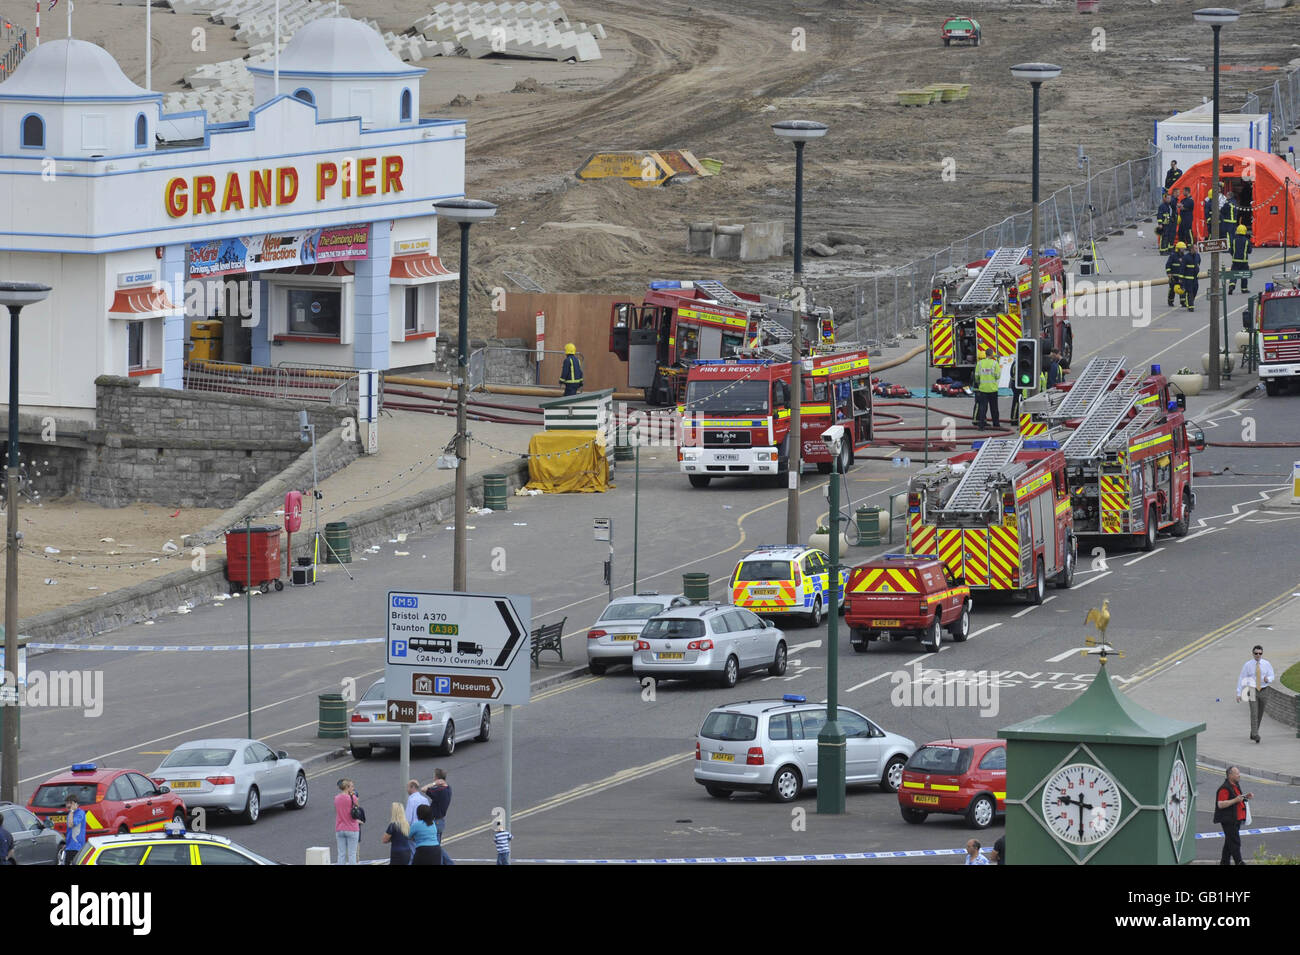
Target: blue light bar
1042 444
794 698
906 556
84 767
1268 286
976 445
732 361
1155 369
665 283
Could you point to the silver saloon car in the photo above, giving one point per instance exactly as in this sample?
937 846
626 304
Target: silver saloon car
612 637
233 775
440 723
708 641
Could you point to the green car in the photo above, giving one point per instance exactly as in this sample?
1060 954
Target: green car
965 29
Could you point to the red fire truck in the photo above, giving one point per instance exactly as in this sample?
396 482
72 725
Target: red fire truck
972 312
1127 447
736 419
1277 323
998 516
679 322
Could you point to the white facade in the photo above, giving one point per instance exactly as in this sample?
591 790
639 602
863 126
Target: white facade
128 235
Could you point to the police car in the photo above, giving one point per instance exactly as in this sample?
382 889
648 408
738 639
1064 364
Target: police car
785 580
175 845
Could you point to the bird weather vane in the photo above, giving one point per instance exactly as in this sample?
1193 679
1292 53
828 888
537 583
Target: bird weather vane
1101 620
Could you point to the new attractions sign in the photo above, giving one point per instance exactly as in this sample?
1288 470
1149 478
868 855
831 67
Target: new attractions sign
279 250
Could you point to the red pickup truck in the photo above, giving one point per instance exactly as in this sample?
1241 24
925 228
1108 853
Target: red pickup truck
902 595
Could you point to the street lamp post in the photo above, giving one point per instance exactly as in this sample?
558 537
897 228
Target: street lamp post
15 295
464 212
831 741
798 131
1036 74
1216 17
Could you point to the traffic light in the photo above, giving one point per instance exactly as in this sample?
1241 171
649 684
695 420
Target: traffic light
1026 363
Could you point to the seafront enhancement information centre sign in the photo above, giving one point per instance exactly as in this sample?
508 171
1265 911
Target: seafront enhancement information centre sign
457 646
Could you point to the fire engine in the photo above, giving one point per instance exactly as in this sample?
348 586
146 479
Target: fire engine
1127 448
970 313
679 322
1277 322
998 516
736 419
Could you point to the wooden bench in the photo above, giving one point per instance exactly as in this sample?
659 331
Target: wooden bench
547 638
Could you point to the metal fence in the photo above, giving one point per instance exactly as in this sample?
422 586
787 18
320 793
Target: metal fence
336 385
15 50
511 365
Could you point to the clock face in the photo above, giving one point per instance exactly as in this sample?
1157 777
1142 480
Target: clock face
1081 804
1178 799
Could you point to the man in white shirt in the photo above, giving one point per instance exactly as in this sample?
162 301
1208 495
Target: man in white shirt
414 800
973 856
1256 674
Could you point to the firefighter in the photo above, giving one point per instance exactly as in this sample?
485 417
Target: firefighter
1188 276
1173 269
1240 259
1173 175
1229 213
1165 226
1051 376
987 372
571 371
1186 210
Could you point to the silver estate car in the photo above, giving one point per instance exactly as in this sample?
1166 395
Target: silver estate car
440 723
708 641
612 637
233 775
771 746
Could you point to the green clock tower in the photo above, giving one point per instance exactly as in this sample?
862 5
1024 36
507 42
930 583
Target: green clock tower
1103 782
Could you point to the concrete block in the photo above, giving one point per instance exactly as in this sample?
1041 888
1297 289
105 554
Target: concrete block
1276 4
726 242
598 31
761 240
699 237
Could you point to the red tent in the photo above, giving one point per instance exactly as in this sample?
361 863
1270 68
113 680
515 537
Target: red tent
1259 181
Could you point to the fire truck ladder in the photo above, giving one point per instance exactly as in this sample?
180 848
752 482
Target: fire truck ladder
1099 427
985 289
1122 438
721 294
994 455
1094 381
769 329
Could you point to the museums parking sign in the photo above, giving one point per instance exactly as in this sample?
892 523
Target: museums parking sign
457 646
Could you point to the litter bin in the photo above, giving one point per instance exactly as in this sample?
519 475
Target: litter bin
623 452
695 586
333 721
205 338
339 543
868 517
494 491
263 542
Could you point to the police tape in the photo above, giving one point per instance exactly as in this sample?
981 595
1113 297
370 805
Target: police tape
123 648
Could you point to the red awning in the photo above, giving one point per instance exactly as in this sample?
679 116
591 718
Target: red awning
143 301
422 267
320 268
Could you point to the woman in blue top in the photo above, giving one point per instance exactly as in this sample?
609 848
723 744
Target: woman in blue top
424 838
397 837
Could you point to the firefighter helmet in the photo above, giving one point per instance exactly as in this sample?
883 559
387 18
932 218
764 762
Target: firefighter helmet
569 349
1181 245
1241 230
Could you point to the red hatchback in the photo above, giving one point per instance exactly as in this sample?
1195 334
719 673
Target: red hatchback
115 801
964 777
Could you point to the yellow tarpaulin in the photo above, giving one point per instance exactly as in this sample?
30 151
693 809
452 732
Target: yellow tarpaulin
564 461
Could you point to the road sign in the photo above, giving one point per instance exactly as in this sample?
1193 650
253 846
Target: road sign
1212 245
603 528
401 711
458 646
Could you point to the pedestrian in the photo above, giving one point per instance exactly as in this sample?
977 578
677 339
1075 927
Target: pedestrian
1256 674
348 817
987 372
439 793
973 856
75 837
1186 212
1000 850
414 799
397 836
1241 248
502 839
424 838
1172 175
1165 225
1053 372
7 845
571 371
1230 813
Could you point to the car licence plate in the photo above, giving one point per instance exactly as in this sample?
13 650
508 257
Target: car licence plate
184 784
926 800
623 637
884 623
722 757
58 820
670 656
726 457
380 717
762 591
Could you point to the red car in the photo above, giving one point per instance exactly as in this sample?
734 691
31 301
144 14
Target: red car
963 777
115 801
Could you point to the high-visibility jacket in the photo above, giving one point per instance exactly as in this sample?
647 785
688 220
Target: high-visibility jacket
1229 218
1189 266
1163 218
987 372
1240 251
571 371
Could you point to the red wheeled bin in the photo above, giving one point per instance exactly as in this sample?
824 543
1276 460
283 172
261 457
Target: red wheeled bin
263 543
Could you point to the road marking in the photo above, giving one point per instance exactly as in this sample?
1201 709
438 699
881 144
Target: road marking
1067 654
333 768
868 682
1143 557
1239 517
1093 580
813 644
992 626
1192 537
565 688
1272 520
1030 609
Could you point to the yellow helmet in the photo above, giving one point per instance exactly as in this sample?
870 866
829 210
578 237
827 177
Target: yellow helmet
569 349
1181 245
1241 230
1178 290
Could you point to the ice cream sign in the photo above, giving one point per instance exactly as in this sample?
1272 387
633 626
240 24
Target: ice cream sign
236 191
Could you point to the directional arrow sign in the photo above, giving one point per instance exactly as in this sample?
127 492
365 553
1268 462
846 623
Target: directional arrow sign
401 711
458 646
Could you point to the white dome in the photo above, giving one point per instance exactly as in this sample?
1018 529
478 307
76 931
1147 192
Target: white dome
334 46
70 69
